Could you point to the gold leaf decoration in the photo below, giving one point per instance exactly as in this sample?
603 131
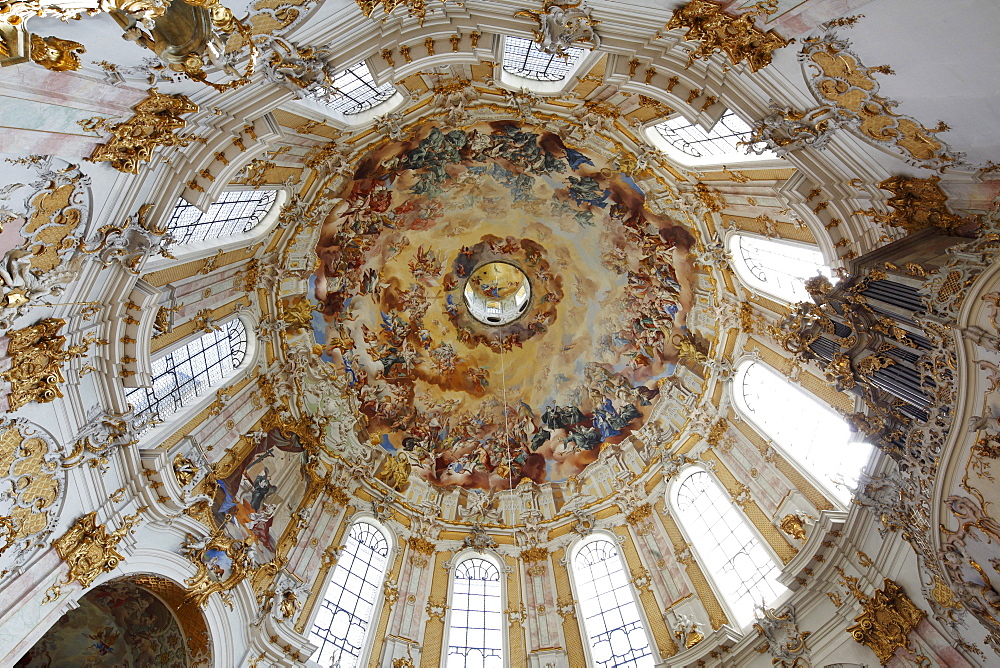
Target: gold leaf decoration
735 36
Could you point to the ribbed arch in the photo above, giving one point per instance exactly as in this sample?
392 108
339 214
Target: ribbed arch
189 371
343 621
612 623
777 268
744 571
475 621
802 426
235 212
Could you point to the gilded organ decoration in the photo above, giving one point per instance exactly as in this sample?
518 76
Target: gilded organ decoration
37 355
154 124
89 549
736 36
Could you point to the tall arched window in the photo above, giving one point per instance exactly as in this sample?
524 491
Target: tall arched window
188 372
353 91
475 627
743 570
777 268
611 617
523 58
801 425
236 211
342 623
690 144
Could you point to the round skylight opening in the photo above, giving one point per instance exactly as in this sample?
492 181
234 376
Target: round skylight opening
497 293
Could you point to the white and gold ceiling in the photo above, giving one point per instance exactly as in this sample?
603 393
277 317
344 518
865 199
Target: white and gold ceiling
375 369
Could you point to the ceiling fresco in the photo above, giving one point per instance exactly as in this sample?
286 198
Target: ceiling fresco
581 363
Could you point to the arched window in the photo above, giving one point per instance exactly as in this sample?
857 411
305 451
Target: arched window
523 58
690 144
611 617
743 569
189 371
341 625
475 627
801 425
777 268
353 91
236 211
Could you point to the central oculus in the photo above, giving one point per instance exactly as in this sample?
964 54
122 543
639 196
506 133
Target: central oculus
497 293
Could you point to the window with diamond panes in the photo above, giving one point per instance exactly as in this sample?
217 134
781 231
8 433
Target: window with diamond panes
778 268
344 617
352 91
235 212
812 434
610 614
523 58
720 144
743 570
188 372
476 628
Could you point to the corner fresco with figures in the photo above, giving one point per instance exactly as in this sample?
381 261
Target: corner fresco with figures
486 407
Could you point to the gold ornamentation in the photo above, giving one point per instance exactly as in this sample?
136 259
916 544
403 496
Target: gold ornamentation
185 470
534 554
917 204
213 576
395 472
89 550
641 513
28 471
297 313
735 36
888 618
421 545
37 355
58 55
562 24
717 431
154 123
840 79
416 8
793 526
712 199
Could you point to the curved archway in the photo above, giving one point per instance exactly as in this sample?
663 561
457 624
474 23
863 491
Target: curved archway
140 620
476 628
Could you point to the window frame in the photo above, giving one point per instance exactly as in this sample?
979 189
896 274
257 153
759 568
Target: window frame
686 160
572 551
163 430
673 492
501 566
195 250
369 643
739 405
516 82
741 269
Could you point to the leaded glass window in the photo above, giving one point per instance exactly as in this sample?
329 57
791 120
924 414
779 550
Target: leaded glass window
342 622
475 630
188 372
236 211
523 58
778 268
743 570
801 425
611 618
353 91
694 145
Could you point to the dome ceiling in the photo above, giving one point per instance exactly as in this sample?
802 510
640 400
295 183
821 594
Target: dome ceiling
579 365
